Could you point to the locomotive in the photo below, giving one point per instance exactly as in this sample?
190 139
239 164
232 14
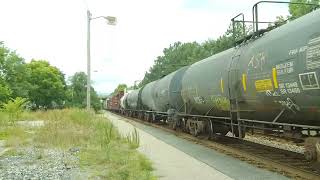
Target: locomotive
269 81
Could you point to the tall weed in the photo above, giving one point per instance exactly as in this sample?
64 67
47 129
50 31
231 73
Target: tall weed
133 139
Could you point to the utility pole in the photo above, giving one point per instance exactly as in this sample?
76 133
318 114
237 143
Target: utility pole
111 21
88 61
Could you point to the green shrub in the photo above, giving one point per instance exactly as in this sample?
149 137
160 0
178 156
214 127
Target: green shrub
15 107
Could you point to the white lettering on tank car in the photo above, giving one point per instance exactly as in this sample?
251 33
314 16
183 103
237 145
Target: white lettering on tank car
289 88
295 51
285 68
283 91
309 81
303 49
275 93
289 103
268 93
291 85
313 54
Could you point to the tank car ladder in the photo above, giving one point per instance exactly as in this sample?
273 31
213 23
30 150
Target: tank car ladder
233 87
235 116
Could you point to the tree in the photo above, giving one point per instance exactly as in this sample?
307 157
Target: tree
298 10
48 84
183 54
13 72
120 87
174 57
77 92
5 91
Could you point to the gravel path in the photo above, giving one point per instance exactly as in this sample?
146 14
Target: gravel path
35 163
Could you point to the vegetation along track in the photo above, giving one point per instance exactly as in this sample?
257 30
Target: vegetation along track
287 163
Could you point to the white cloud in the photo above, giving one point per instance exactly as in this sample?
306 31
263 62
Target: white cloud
56 30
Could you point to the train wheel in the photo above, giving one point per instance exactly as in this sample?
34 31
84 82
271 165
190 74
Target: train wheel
154 117
195 127
146 117
312 149
183 125
193 131
211 130
310 153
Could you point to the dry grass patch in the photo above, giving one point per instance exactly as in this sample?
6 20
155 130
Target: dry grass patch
102 150
14 136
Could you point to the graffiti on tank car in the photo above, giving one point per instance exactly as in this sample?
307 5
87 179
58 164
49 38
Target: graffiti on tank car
164 92
285 68
257 61
199 100
220 102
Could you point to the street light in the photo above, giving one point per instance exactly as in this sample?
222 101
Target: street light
111 21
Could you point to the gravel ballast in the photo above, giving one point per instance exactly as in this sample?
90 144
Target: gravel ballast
35 163
275 142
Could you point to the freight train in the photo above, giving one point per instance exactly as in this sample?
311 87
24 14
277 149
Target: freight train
269 81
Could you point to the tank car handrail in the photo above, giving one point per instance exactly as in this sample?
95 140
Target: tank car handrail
255 11
201 116
254 121
281 124
233 26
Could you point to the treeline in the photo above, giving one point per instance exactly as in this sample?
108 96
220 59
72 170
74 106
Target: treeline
41 84
181 54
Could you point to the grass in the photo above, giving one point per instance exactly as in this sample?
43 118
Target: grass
133 139
103 151
4 119
13 152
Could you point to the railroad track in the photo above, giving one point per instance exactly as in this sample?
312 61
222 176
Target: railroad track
291 161
287 163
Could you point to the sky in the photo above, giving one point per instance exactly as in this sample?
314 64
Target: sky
56 31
